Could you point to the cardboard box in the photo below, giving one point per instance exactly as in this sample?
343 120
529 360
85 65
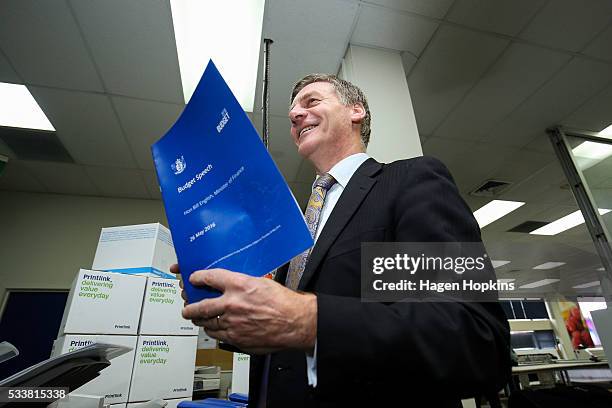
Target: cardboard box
240 373
161 310
163 368
114 381
144 249
172 403
103 303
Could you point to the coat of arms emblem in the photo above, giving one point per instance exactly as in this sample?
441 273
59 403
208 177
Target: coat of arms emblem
179 165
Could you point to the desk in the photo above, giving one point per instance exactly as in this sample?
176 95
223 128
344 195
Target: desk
562 366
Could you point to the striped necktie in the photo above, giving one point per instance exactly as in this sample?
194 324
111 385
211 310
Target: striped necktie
312 215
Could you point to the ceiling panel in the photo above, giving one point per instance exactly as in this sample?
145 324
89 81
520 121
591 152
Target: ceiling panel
520 165
500 16
449 67
133 45
62 178
306 40
483 160
568 24
579 80
595 115
431 8
114 182
7 73
17 177
151 183
547 185
517 74
43 42
87 126
282 148
601 46
144 122
386 28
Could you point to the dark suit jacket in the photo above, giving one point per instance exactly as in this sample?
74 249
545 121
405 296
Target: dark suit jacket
374 353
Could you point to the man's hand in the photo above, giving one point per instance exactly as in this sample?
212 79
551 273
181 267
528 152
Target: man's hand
256 315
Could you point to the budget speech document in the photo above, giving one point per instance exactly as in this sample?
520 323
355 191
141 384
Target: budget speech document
227 204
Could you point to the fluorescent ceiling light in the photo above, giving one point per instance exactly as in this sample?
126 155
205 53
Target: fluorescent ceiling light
495 210
589 153
539 283
564 223
497 264
549 265
587 285
607 132
506 280
601 269
19 109
227 31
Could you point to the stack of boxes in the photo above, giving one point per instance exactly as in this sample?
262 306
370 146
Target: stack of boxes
130 299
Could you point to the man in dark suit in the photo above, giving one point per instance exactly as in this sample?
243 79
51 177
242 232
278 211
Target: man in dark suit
316 343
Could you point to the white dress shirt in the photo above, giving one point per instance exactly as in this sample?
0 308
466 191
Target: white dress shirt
342 172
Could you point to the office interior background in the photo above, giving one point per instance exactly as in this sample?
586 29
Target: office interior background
486 78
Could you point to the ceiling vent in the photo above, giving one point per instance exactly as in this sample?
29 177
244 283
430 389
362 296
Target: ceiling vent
31 144
491 188
528 226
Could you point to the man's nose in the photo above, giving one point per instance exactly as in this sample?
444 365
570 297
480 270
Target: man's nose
296 114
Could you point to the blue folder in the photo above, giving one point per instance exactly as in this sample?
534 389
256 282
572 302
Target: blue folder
227 204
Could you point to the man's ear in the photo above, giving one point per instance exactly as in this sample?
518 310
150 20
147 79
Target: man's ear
357 113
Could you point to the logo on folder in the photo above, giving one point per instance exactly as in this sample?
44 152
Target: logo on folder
179 165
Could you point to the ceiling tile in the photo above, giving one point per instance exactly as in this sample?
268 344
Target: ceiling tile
431 8
601 46
144 122
520 165
282 148
520 71
595 115
500 16
568 24
150 180
380 27
7 73
483 159
300 33
133 45
449 67
17 177
43 42
579 80
114 182
546 186
87 126
62 178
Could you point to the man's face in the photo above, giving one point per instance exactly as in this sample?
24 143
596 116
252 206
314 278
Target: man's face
319 121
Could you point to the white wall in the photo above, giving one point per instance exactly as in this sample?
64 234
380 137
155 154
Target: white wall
46 238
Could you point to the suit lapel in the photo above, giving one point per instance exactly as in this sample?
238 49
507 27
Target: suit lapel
355 192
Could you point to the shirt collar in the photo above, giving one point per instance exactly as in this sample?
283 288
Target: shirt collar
345 168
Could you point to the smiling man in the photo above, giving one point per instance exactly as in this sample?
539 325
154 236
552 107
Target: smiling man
314 342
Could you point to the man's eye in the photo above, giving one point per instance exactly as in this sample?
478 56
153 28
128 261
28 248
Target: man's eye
313 101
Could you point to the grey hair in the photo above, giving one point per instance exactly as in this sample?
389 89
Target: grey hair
348 93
